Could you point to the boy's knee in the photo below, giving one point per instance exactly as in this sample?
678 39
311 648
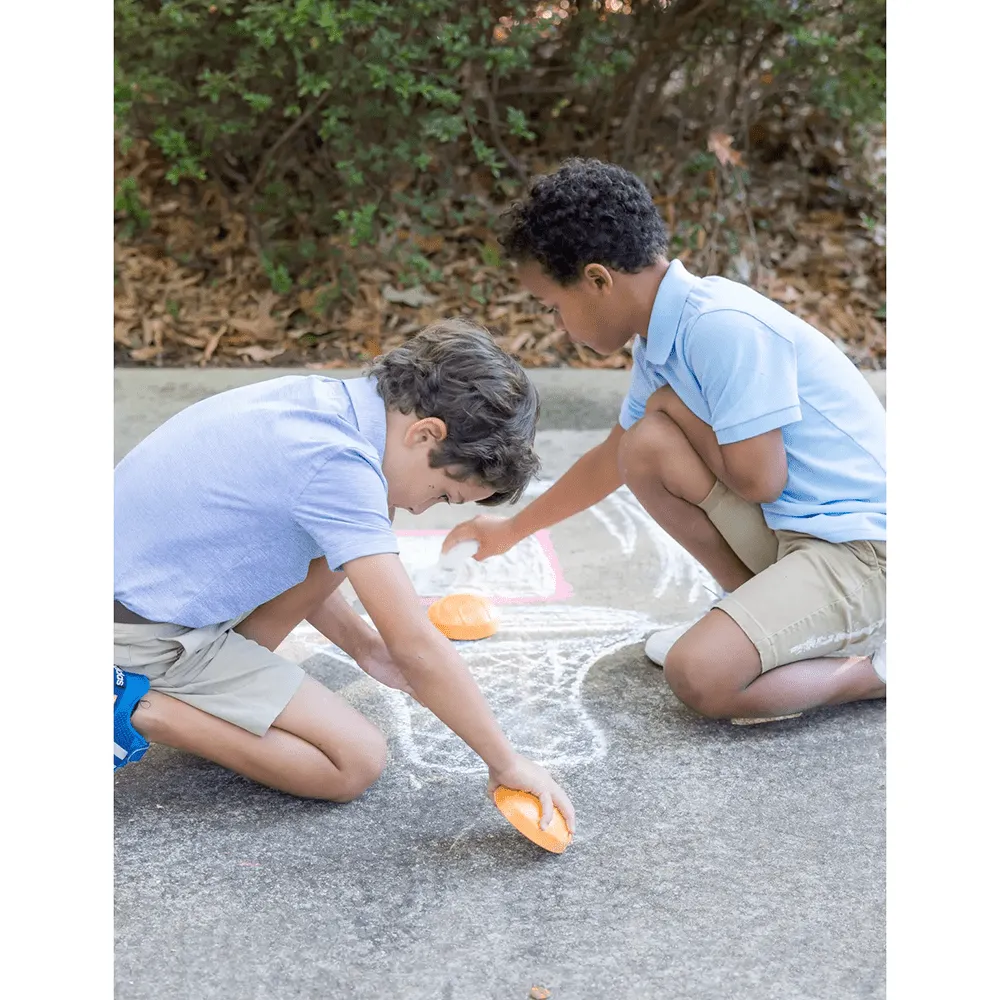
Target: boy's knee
655 448
361 766
691 677
638 450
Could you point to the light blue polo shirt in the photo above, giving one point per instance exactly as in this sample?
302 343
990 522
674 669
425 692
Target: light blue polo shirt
224 506
745 365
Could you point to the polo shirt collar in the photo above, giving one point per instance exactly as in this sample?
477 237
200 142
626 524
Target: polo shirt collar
369 408
665 318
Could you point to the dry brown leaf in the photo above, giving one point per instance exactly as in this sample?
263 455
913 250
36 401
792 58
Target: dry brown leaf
522 296
720 144
374 276
260 328
256 353
429 244
478 232
519 341
821 263
213 343
145 353
181 338
307 299
550 339
413 297
152 331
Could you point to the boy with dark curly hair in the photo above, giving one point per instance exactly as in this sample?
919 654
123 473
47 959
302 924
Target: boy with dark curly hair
241 516
746 434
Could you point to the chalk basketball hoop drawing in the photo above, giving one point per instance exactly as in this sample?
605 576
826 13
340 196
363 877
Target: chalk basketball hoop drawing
532 671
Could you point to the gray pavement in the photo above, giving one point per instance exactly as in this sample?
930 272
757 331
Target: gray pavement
711 861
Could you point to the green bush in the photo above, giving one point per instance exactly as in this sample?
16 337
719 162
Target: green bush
223 87
338 116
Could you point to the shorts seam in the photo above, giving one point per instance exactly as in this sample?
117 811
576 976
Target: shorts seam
764 641
713 499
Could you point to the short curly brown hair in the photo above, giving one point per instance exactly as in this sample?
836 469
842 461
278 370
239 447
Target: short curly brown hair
454 370
585 212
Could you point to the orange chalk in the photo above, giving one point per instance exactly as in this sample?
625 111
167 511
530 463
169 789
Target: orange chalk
524 812
464 616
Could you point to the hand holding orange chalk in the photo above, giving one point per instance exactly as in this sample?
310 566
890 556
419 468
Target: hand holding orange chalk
464 616
524 812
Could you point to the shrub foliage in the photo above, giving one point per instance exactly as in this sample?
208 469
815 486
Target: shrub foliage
341 117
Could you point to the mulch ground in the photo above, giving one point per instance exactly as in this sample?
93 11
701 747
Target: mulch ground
191 288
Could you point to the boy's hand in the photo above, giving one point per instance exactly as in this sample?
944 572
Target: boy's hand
527 776
378 663
493 534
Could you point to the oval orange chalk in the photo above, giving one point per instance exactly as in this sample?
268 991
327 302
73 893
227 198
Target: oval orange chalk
464 616
524 812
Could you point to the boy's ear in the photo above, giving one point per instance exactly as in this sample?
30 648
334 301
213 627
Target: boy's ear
598 278
425 431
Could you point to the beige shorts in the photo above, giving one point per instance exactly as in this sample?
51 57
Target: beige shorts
809 597
212 668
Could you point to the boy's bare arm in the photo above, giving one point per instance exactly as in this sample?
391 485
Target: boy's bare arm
757 468
345 628
335 619
435 671
441 681
588 481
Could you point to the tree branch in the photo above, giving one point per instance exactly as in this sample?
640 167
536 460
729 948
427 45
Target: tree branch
629 127
282 139
647 70
491 110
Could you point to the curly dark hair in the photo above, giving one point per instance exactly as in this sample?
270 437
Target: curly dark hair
585 212
455 371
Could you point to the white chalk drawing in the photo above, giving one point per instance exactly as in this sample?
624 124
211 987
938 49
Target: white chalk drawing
626 520
532 671
528 572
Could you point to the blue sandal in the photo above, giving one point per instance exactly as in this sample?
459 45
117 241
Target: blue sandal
129 745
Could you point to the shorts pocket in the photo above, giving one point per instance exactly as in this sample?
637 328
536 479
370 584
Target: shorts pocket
865 551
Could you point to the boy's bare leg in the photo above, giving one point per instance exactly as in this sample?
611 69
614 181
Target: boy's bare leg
714 669
671 461
318 747
669 478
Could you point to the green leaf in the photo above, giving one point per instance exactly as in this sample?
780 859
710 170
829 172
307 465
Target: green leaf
518 124
259 102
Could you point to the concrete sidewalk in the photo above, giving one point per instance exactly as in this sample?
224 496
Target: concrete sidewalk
712 862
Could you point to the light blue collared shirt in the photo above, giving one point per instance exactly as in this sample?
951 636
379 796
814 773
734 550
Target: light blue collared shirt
745 366
224 506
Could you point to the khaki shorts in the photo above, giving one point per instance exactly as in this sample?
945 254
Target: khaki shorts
212 668
809 597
